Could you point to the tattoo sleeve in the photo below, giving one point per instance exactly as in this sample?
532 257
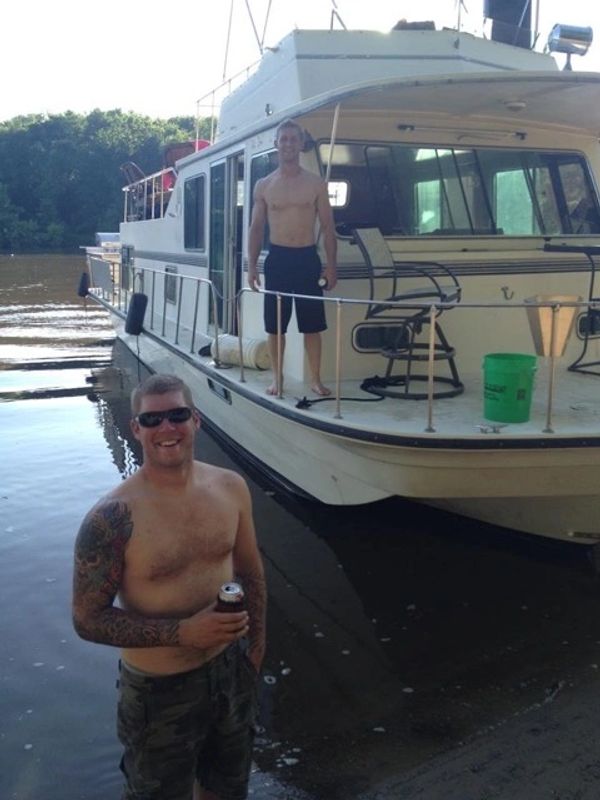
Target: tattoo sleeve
97 576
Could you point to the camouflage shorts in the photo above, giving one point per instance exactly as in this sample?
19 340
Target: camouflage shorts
197 724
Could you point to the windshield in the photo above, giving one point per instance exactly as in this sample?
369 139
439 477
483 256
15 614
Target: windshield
429 191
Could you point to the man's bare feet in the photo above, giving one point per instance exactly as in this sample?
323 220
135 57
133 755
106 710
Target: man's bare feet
321 390
273 390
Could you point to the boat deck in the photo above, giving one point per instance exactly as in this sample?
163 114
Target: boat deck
575 410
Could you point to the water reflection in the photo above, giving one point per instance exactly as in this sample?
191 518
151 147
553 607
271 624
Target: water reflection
394 631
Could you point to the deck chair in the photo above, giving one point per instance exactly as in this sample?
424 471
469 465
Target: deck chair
395 332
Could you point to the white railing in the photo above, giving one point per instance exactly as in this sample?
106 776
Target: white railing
171 329
149 197
211 101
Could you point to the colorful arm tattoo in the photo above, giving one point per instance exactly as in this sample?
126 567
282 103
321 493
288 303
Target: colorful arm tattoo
97 576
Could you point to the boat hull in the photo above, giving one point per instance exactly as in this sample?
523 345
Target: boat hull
512 488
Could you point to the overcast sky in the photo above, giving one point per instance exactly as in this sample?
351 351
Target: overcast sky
158 58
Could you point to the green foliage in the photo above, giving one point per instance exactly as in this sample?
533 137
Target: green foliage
60 177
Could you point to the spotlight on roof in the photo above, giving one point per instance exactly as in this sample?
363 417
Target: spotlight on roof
571 40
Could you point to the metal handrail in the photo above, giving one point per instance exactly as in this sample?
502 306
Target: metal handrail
339 302
225 87
153 190
433 312
198 280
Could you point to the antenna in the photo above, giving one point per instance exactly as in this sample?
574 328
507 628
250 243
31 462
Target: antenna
460 4
521 20
264 33
335 14
228 40
258 41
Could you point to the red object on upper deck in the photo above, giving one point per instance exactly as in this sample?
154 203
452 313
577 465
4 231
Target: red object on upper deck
173 152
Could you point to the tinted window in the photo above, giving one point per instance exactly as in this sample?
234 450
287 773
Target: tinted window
260 167
428 191
193 204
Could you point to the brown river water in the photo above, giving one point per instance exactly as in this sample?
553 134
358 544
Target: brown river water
395 632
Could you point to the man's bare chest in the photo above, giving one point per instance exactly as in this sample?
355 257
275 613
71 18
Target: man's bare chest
286 197
166 545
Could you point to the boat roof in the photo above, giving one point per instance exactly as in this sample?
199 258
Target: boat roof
422 80
566 100
311 63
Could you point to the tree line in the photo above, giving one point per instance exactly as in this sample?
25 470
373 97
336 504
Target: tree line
60 177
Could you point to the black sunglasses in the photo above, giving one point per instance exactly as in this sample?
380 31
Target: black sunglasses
152 419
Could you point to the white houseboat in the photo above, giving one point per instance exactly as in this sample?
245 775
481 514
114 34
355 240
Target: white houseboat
463 341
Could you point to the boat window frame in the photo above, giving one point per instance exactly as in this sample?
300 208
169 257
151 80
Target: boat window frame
253 180
578 158
200 215
332 193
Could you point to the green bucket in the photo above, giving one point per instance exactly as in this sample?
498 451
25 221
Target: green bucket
508 385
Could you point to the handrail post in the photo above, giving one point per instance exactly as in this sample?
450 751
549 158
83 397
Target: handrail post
338 358
164 320
430 364
238 307
279 365
196 303
179 303
548 428
152 307
217 358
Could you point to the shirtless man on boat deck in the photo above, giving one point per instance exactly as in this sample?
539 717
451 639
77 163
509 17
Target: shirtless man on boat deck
163 542
291 199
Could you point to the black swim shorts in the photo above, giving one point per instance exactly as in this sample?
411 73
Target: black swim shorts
294 270
192 725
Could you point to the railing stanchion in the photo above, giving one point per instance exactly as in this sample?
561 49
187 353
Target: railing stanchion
216 320
195 323
279 365
548 428
164 319
238 307
338 359
152 300
430 366
179 303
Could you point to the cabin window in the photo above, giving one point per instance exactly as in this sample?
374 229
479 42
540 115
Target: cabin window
261 166
194 224
434 191
338 193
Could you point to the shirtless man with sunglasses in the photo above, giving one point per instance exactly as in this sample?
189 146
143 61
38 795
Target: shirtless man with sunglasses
150 558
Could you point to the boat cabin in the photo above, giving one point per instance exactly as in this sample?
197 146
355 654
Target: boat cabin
462 152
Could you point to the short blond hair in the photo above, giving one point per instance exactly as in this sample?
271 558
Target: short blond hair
159 384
